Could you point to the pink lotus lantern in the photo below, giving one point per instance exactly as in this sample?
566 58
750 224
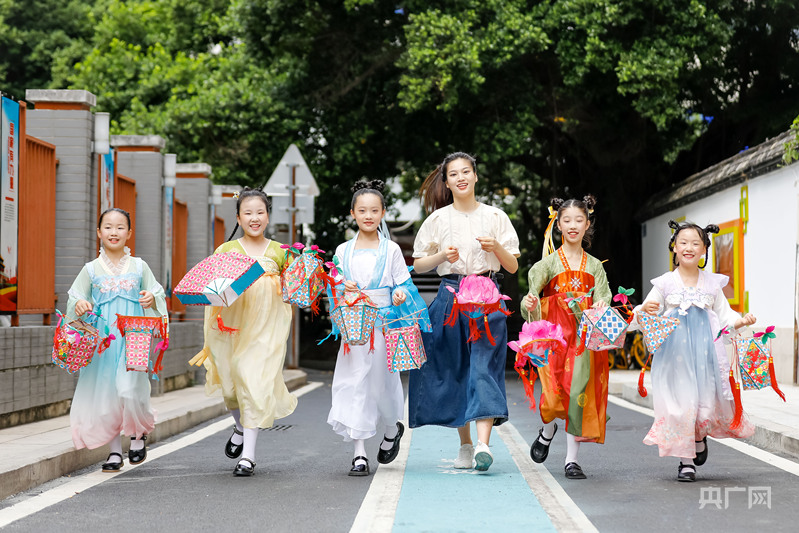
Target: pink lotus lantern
532 350
477 297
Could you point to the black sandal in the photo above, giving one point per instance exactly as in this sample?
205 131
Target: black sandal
539 451
113 467
234 450
701 457
137 456
244 470
359 470
386 456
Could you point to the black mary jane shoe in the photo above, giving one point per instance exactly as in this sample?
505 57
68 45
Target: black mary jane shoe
234 450
701 457
540 448
244 470
386 456
359 470
686 472
137 456
108 466
573 471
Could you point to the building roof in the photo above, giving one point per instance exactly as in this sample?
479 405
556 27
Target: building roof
747 164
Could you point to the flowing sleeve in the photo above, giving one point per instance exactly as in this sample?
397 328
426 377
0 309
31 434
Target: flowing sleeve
338 289
414 307
148 283
721 306
81 289
601 287
427 239
506 234
537 278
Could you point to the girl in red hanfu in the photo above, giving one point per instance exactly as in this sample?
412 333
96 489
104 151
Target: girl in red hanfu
574 387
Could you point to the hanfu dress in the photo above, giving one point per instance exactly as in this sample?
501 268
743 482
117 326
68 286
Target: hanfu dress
246 365
573 387
690 386
366 396
461 381
108 398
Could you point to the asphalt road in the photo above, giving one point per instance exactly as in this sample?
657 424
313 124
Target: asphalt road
301 483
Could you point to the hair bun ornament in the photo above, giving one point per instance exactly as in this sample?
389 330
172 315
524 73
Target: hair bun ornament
236 195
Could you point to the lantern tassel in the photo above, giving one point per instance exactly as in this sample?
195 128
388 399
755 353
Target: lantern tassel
739 409
222 327
774 378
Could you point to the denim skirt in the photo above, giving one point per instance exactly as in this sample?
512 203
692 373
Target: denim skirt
461 381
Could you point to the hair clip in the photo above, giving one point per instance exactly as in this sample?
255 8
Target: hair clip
591 211
236 195
552 212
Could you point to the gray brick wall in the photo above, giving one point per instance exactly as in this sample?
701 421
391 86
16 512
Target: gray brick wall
71 132
196 192
29 379
147 169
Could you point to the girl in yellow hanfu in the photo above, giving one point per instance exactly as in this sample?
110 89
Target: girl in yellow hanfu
574 387
246 364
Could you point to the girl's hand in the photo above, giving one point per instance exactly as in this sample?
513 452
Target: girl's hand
350 285
747 320
452 254
599 304
147 299
530 302
488 244
398 297
650 308
82 306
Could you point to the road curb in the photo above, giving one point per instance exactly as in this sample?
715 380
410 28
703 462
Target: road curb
60 460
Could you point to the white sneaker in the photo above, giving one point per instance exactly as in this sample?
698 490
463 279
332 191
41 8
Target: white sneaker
482 457
465 456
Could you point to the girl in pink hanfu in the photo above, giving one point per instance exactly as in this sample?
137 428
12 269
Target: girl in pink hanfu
690 388
109 399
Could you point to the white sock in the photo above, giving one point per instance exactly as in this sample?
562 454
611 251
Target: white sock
236 438
572 447
687 461
116 447
250 438
360 449
391 432
136 444
549 430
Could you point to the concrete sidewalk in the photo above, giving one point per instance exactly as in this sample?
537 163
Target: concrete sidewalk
32 454
777 422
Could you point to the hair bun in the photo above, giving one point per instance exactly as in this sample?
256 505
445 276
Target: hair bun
590 201
378 185
711 228
674 225
556 203
358 185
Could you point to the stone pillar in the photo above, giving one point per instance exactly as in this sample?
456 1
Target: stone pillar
139 157
64 118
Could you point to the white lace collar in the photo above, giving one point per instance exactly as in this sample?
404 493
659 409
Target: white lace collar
120 267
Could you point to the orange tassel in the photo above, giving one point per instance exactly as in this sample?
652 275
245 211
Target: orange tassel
739 409
315 307
474 332
488 332
222 327
641 389
346 348
372 341
774 378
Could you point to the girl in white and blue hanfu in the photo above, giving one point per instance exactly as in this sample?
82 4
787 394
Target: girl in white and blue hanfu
108 398
367 398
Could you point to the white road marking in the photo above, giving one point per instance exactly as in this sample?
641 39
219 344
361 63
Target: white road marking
752 451
561 509
81 483
379 506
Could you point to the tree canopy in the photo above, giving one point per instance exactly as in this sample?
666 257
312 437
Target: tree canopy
619 98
